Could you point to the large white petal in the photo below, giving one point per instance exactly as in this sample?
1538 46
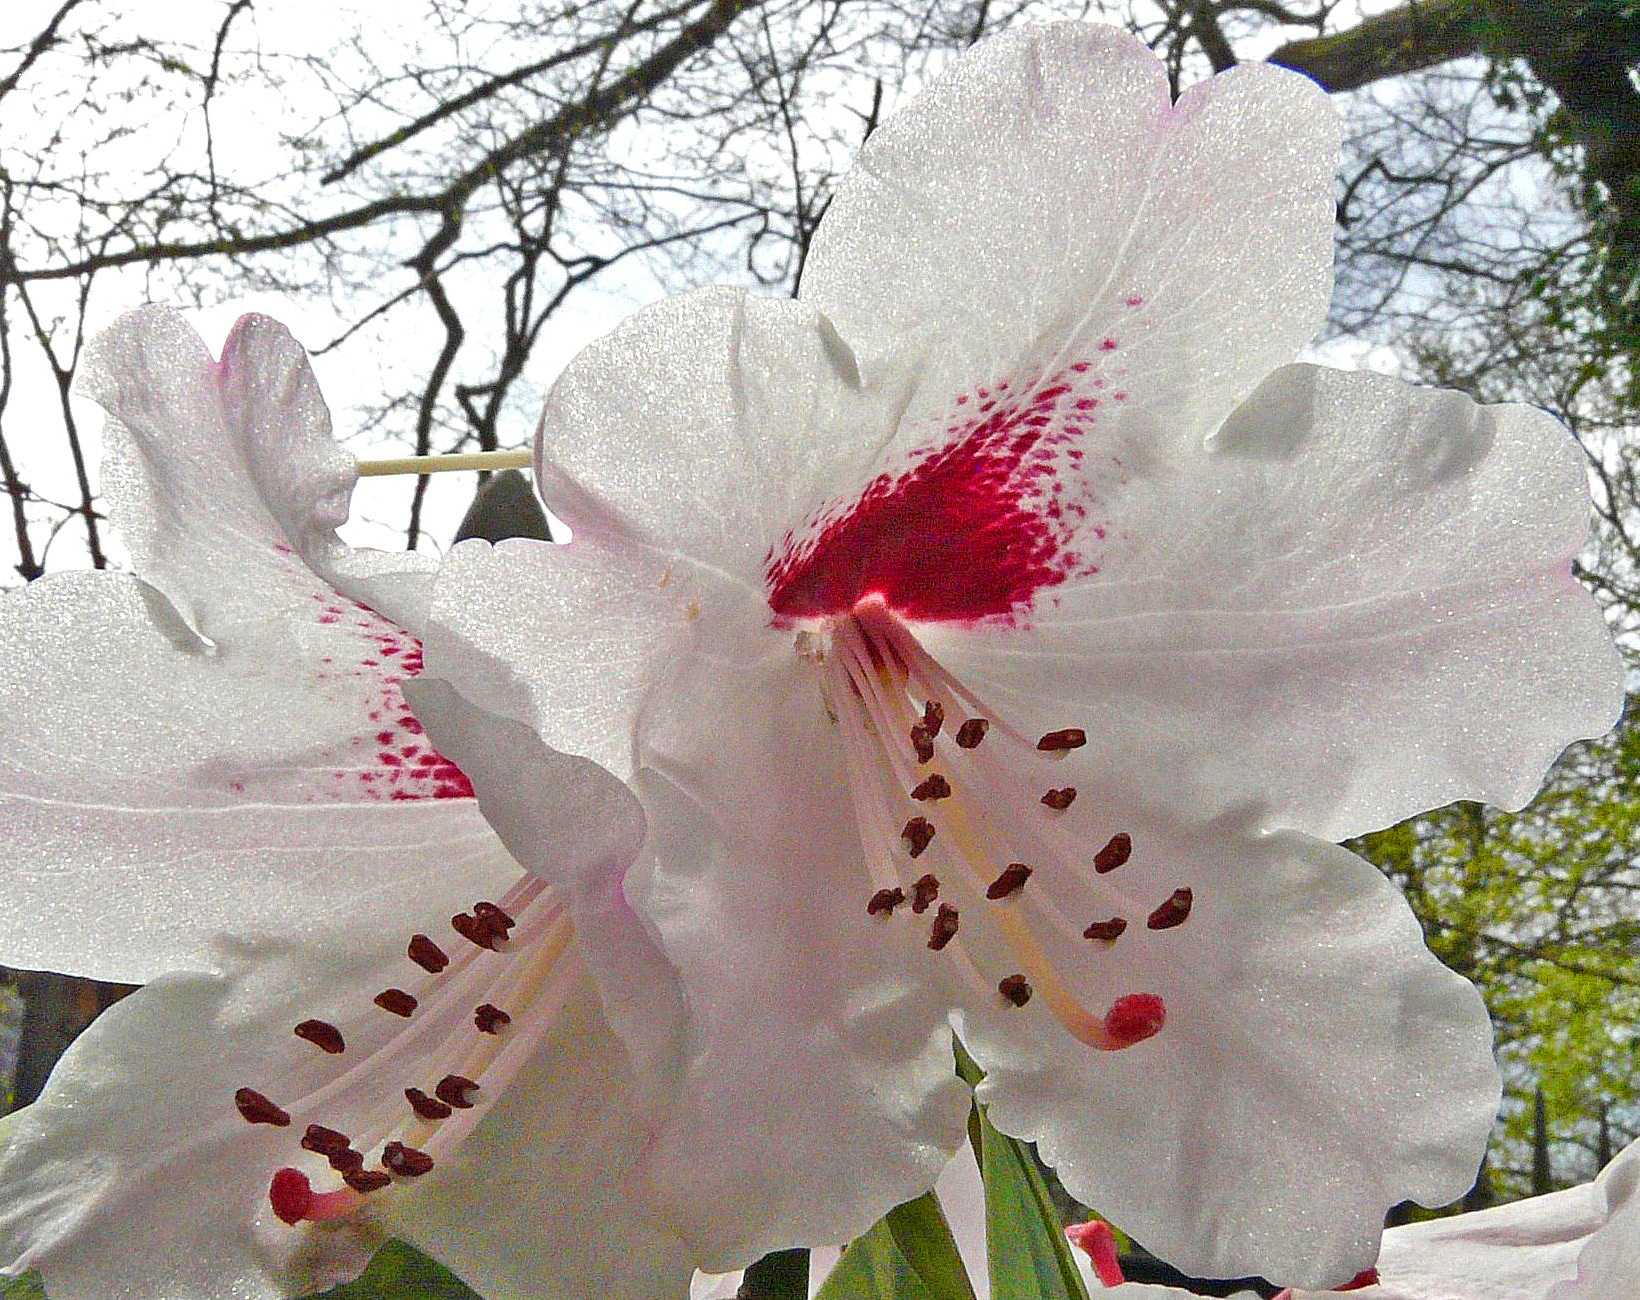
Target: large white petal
539 1201
127 1180
1317 1064
222 476
134 1176
705 425
156 793
1355 602
819 1088
1045 195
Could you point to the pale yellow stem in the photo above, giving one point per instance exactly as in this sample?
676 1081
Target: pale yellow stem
442 464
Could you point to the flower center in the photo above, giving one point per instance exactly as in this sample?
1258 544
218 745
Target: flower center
953 803
418 1071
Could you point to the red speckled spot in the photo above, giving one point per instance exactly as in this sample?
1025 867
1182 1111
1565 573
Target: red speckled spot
971 530
400 764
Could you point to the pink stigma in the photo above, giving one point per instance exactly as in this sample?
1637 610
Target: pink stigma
294 1200
1096 1240
1134 1018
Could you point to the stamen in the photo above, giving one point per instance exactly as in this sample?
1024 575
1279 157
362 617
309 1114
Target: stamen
490 1019
918 834
1013 877
884 901
397 1001
257 1109
1059 742
1175 911
408 1161
1060 799
456 1090
366 1180
931 788
1136 1017
477 930
324 1141
933 716
494 916
1110 931
945 927
427 954
922 740
1114 854
342 1161
924 892
971 733
294 1200
425 1106
1016 988
326 1037
1096 1240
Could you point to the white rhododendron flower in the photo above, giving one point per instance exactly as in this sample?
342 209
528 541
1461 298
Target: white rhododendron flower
1000 635
210 780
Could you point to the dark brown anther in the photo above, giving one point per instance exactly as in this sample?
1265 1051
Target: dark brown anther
1114 854
1173 912
257 1109
884 901
490 912
1110 931
932 787
324 1036
425 1106
922 740
1016 988
1013 877
933 717
924 892
342 1161
945 927
427 954
366 1180
1061 798
397 1001
917 834
454 1090
477 931
1057 742
406 1161
971 733
326 1141
490 1018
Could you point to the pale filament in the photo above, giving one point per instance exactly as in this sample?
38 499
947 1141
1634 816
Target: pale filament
877 674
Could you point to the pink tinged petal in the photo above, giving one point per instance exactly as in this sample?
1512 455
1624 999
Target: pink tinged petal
865 1099
1369 570
584 839
223 478
1045 203
156 793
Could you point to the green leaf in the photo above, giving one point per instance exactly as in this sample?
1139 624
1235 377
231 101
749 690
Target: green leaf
401 1272
1029 1254
872 1268
909 1254
924 1238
